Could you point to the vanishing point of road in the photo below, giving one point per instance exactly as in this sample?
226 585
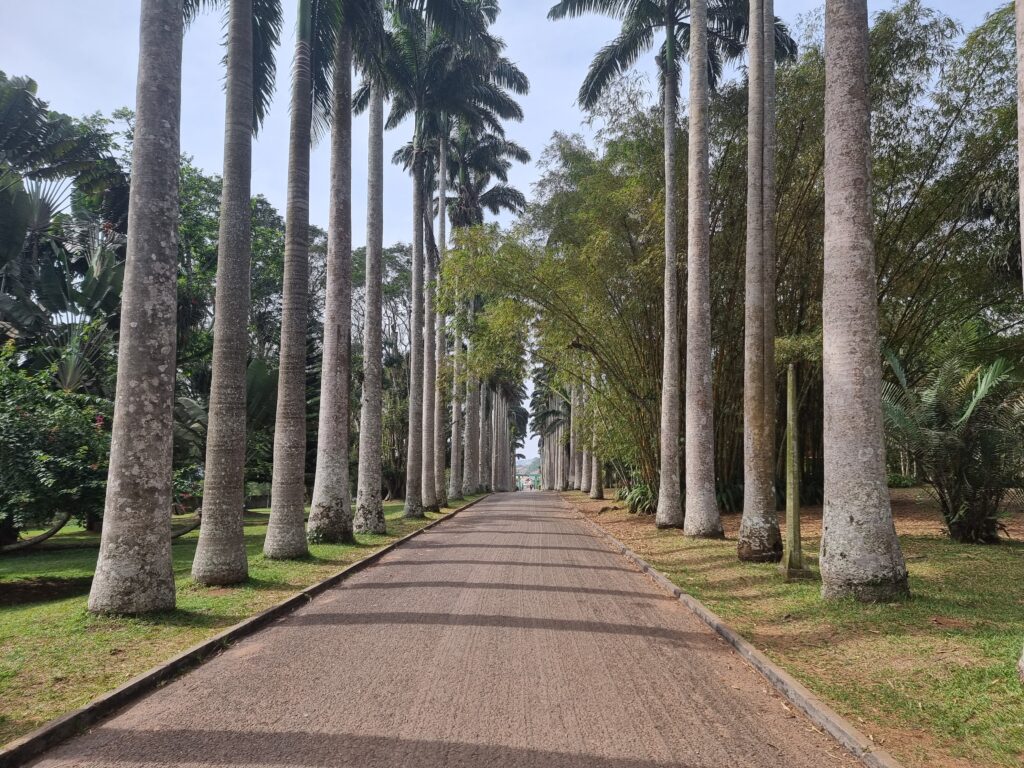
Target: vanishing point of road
509 636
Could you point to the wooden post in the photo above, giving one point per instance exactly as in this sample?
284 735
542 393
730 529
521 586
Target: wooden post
792 566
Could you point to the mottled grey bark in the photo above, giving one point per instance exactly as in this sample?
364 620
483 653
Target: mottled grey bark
1019 8
759 537
369 514
220 553
471 448
768 246
574 470
670 507
414 458
441 339
484 471
428 487
702 517
133 573
586 459
596 479
286 531
496 457
330 516
860 554
455 476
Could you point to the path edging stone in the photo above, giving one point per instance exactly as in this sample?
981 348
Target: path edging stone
48 735
819 713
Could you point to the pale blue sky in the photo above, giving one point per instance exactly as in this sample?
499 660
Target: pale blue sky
83 54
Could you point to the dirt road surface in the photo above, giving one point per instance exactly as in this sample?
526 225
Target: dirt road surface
510 636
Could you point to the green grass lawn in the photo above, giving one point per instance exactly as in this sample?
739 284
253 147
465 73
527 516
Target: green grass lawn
55 656
932 679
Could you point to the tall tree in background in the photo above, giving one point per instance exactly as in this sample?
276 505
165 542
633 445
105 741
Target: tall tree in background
330 516
220 553
369 514
759 538
286 530
1019 15
702 516
860 554
134 572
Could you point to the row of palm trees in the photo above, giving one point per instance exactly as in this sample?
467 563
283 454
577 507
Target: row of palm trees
438 64
860 554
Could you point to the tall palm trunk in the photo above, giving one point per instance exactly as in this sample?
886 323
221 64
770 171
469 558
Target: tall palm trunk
471 457
455 478
759 538
330 517
369 515
441 345
768 245
860 554
574 470
670 508
286 531
427 480
587 458
133 573
702 517
484 471
220 554
414 459
1019 7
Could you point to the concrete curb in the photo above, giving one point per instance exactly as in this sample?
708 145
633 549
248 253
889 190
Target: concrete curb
819 713
20 751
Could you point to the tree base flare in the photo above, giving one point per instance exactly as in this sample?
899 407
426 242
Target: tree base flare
879 591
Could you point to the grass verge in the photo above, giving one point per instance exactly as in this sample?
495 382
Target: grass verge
933 680
55 656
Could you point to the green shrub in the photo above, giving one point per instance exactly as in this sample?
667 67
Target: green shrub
53 450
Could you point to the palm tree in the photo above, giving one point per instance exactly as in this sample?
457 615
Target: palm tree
314 49
254 28
330 516
860 554
134 572
1019 10
759 537
480 162
455 477
640 21
702 516
471 450
369 515
441 347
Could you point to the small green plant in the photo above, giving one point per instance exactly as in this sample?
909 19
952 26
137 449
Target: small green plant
962 425
640 498
896 480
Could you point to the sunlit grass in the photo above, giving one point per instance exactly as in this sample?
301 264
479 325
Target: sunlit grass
55 656
931 679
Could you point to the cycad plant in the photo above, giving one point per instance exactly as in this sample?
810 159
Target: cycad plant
962 426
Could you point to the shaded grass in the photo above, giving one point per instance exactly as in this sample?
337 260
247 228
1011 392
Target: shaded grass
932 679
55 656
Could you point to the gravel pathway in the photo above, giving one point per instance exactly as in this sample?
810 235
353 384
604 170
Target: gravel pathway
510 636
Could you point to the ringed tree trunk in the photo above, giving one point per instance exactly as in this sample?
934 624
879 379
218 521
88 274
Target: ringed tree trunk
286 531
768 246
414 460
134 573
428 488
670 508
330 516
220 553
455 478
369 514
1019 7
759 537
860 553
441 347
484 471
702 516
586 459
471 457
